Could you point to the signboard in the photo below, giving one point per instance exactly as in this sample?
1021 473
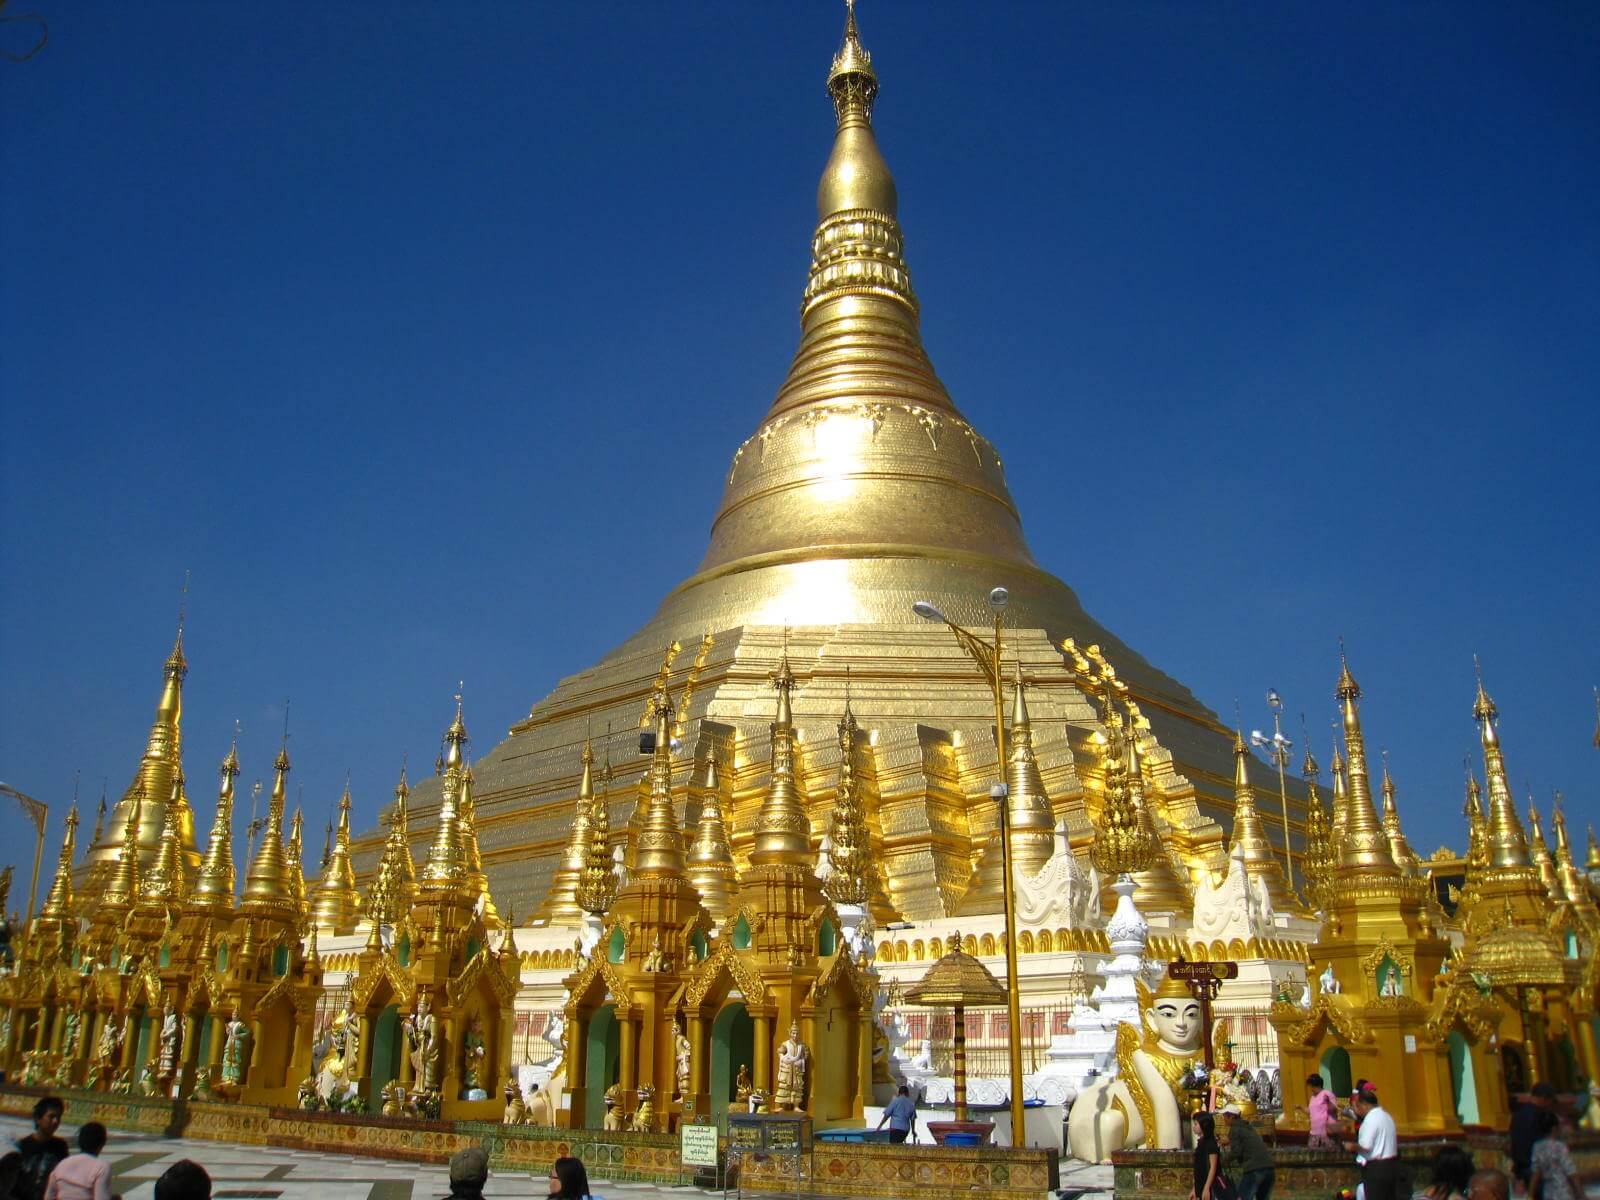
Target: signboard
769 1133
1189 972
698 1145
1205 981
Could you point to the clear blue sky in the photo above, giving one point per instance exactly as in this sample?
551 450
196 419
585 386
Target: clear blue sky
423 336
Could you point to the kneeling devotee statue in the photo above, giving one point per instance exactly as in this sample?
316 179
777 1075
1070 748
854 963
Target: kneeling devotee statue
1141 1105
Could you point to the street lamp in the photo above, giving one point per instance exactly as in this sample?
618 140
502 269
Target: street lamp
987 655
1277 747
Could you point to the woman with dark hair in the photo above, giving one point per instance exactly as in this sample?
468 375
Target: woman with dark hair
568 1180
1452 1172
1209 1183
1555 1176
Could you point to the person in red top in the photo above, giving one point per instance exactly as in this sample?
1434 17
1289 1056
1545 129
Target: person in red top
1323 1111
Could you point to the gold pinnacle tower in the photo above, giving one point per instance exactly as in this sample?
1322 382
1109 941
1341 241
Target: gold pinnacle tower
266 884
561 901
336 903
710 865
213 886
1250 835
1366 851
1399 849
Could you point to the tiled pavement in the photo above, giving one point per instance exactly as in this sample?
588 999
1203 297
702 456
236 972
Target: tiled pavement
269 1173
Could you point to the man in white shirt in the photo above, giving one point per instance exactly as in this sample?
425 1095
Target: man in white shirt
1377 1148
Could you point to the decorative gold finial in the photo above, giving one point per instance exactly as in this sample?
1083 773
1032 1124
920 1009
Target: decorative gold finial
782 830
1507 843
58 903
852 82
1249 834
710 863
213 887
1399 848
599 885
446 870
266 884
562 899
658 851
336 903
1366 847
1122 845
850 853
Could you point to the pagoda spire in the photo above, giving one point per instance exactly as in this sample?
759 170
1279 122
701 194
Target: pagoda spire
213 886
1250 835
1592 862
783 832
1508 845
99 818
122 890
336 903
1341 795
710 863
851 852
1321 857
659 852
1032 818
1405 858
58 902
446 869
561 902
1574 887
1366 847
477 880
164 883
598 887
1539 852
392 892
266 884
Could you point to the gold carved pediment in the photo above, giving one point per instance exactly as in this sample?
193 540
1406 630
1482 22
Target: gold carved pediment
741 973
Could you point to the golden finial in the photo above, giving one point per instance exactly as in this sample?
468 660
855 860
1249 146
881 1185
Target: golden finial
710 864
1507 843
1592 862
850 854
58 903
1574 887
1309 768
852 82
1249 834
1122 845
1539 852
266 883
163 886
1321 858
336 903
213 887
477 880
782 830
658 852
1366 846
446 870
100 817
1029 813
599 885
122 890
562 899
1400 849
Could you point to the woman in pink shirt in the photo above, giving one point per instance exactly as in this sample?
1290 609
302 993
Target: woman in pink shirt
84 1176
1323 1111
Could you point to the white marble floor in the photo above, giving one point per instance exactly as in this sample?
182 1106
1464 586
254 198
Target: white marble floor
269 1173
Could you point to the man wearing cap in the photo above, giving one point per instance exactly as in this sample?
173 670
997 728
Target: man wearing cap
469 1172
1249 1156
1377 1148
1525 1129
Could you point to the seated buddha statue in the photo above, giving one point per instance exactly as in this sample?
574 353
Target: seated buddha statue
1140 1105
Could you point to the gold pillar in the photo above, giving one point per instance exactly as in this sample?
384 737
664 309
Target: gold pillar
959 1042
255 1053
58 1023
577 1071
42 1031
130 1043
699 1090
1588 1052
364 1058
864 1064
219 1038
628 1050
190 1060
763 1053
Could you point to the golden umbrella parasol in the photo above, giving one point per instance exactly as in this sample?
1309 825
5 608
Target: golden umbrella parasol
958 981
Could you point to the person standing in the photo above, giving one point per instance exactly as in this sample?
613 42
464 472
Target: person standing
1248 1154
1525 1129
901 1115
568 1180
84 1176
1555 1175
42 1150
1207 1159
1377 1148
1322 1110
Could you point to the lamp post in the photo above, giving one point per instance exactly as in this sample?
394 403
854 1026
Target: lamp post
987 656
38 812
1277 747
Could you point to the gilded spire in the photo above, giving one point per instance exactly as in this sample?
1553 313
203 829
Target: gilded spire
446 869
1508 845
599 884
1321 857
1405 858
123 888
710 866
1539 852
389 899
783 833
1122 844
1592 862
1249 836
561 902
335 904
266 883
1341 797
1574 887
164 883
1032 817
659 850
213 887
99 818
1366 847
851 852
58 903
295 851
477 880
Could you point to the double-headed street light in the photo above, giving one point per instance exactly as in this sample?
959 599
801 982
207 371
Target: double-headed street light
1277 747
987 655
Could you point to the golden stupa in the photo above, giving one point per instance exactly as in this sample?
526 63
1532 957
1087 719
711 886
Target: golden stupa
861 491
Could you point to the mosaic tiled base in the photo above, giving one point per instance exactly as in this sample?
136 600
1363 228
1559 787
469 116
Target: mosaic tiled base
845 1169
